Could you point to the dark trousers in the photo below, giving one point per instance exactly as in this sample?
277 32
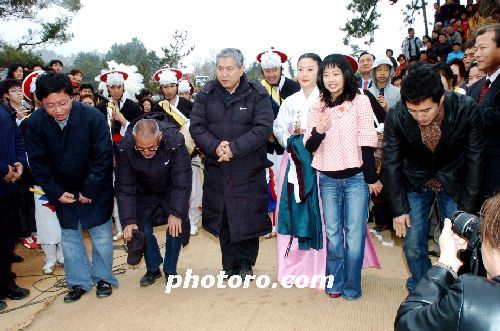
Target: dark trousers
27 222
380 210
152 255
234 253
8 236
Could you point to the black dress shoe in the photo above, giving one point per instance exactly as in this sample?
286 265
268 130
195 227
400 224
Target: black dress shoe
245 270
3 305
15 292
174 280
104 289
74 294
381 227
16 258
231 272
150 277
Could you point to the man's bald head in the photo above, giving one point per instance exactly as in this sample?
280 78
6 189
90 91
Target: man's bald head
147 136
146 129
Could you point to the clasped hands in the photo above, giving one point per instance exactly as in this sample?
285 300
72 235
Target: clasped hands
14 173
70 198
224 152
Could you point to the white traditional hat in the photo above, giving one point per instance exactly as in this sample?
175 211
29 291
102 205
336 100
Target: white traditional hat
185 87
114 77
271 59
167 76
121 74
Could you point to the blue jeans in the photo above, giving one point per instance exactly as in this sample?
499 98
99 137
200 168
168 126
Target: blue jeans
415 244
77 267
152 254
345 210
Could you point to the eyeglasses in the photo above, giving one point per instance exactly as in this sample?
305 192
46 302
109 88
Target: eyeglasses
16 90
60 104
149 149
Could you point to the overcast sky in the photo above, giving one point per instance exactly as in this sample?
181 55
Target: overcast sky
252 26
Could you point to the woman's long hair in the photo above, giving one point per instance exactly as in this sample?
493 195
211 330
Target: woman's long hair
350 87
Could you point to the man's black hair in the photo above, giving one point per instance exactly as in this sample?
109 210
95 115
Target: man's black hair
421 83
54 62
9 83
52 82
36 65
495 27
350 87
364 53
87 85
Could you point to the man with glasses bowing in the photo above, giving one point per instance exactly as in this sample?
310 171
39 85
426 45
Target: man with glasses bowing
71 157
153 170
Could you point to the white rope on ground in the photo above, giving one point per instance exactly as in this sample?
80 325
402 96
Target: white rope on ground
379 238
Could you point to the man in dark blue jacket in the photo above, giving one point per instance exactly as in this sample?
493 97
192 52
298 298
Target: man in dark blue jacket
231 122
153 173
71 157
12 162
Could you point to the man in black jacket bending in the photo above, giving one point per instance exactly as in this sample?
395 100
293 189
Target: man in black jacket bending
433 145
443 301
153 170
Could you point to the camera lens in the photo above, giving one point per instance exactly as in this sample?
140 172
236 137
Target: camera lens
465 225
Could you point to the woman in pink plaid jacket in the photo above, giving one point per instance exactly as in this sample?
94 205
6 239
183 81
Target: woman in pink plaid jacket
342 138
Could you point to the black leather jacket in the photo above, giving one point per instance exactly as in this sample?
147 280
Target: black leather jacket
457 161
440 302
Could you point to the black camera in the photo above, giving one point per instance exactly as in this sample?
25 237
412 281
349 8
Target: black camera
467 226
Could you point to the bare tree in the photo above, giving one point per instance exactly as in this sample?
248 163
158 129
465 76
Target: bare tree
177 50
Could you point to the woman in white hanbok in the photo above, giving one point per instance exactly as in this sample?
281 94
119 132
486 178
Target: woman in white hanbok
292 119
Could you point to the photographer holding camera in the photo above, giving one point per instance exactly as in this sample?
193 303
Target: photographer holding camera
443 301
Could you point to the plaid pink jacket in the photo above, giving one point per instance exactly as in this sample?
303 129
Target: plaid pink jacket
352 127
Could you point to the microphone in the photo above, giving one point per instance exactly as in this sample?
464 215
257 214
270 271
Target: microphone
381 91
100 96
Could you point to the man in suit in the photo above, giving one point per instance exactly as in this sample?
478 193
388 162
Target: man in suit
487 93
365 61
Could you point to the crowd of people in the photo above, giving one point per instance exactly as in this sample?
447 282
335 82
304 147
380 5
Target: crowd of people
309 160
